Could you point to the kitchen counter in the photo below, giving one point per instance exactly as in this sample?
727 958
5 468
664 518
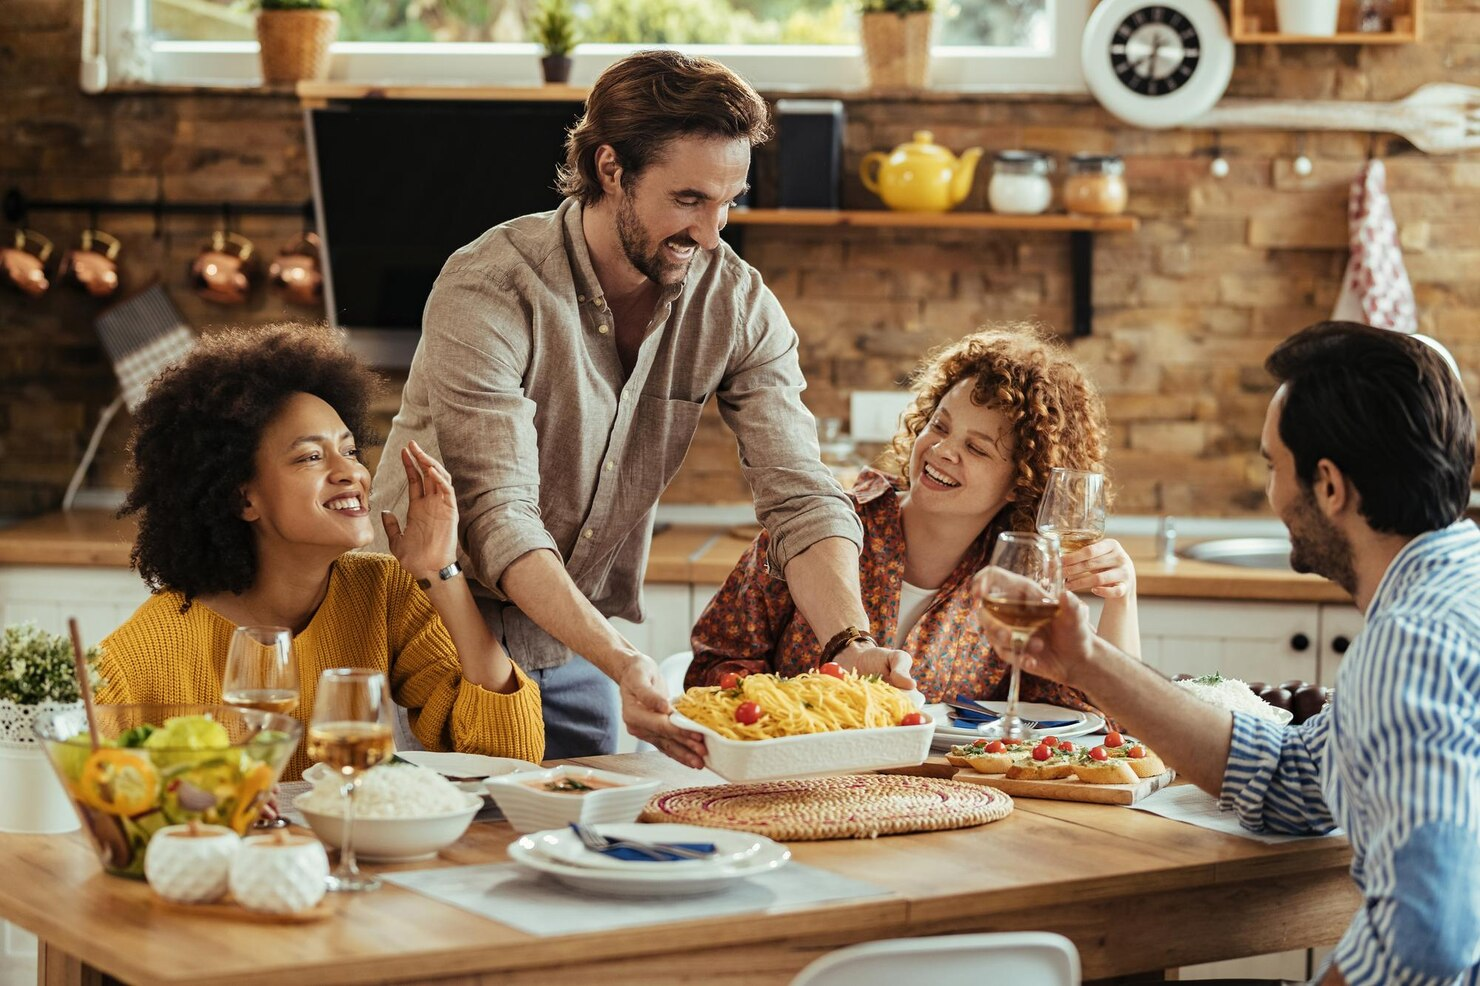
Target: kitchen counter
680 554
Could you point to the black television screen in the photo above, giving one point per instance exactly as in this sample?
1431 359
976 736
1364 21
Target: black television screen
400 184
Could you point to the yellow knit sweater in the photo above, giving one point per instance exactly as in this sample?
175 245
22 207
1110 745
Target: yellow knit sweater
373 616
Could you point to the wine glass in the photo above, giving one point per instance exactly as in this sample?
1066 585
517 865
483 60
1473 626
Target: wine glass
262 673
1073 508
351 732
1022 590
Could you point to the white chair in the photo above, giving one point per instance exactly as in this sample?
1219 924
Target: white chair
672 668
1022 958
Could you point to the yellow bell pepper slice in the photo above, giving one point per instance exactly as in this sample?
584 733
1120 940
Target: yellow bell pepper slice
251 794
119 782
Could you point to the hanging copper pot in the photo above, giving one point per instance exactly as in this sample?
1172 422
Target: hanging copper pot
93 265
297 273
225 268
24 262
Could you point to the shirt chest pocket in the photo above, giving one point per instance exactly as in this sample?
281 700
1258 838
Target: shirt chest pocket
662 431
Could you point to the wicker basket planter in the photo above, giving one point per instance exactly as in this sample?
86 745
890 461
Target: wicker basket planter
896 50
295 43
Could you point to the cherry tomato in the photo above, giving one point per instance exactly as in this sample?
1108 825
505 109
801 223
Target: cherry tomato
996 746
1136 752
914 719
729 680
1042 753
748 713
1049 741
1113 738
1098 753
833 669
1066 746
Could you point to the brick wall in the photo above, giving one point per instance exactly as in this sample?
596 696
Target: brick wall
1186 308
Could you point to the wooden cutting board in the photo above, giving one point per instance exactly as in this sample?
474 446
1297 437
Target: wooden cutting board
1070 788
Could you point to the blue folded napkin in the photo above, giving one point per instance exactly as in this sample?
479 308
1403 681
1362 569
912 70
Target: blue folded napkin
656 853
973 717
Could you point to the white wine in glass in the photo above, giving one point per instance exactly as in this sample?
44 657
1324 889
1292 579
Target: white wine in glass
1022 590
262 673
351 732
1073 508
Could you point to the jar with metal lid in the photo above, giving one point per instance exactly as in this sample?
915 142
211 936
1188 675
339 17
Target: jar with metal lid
1095 185
1019 183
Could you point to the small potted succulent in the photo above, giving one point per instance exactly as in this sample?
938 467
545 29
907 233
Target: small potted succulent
295 37
37 674
896 42
553 27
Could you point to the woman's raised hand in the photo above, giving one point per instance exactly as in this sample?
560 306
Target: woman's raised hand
1103 568
428 543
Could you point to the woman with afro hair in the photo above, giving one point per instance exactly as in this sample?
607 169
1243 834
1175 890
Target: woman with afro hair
992 414
252 498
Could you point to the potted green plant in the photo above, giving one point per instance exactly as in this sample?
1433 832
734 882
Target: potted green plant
553 27
896 42
37 674
295 37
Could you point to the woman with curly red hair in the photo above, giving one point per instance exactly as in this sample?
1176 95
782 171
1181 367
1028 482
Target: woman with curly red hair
993 413
252 499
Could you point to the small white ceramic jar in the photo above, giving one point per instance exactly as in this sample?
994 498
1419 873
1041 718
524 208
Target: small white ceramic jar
279 873
190 864
1019 185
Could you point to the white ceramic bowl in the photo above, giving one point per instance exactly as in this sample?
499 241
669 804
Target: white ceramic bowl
529 809
812 755
396 838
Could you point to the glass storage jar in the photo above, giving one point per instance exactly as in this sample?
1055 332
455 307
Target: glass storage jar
1019 183
1095 185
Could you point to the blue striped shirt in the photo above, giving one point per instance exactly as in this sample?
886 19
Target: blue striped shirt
1394 760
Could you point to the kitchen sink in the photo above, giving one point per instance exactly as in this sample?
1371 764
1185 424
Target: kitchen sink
1271 553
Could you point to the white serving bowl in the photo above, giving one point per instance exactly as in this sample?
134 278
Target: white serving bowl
529 809
814 754
396 838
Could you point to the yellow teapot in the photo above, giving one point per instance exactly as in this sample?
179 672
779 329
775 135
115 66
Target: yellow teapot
920 176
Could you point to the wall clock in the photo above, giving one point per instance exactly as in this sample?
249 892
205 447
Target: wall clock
1157 64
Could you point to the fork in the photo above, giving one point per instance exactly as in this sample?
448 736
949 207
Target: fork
658 852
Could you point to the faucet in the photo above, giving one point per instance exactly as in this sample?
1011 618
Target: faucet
1166 541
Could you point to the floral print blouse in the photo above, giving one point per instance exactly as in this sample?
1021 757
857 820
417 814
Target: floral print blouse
752 625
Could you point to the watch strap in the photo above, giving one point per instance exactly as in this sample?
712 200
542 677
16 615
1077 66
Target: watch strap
452 571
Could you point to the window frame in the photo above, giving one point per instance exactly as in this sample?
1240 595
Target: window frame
772 68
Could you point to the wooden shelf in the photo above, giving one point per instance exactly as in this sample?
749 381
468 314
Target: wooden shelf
885 219
1255 22
319 93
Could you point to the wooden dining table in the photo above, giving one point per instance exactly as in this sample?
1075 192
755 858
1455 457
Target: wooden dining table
1134 891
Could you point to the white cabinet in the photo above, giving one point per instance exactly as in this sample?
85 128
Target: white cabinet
1340 624
100 598
669 618
1269 642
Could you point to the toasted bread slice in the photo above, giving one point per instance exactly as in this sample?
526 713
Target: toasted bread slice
1105 772
1040 770
1150 765
993 763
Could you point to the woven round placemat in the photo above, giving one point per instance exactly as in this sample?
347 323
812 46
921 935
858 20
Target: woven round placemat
856 806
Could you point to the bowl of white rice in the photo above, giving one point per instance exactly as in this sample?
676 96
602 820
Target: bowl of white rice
401 811
1235 696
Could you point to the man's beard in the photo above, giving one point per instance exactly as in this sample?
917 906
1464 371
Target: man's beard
1317 545
633 236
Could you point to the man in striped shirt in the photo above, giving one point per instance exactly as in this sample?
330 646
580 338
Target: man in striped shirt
1370 444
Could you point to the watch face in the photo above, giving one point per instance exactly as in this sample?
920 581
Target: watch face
1155 51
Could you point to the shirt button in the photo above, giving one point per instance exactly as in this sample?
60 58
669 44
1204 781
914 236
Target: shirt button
589 534
609 466
580 297
602 329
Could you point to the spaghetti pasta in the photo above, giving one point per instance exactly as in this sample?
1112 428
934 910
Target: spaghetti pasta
808 703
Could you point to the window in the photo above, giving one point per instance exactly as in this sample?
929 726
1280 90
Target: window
1007 44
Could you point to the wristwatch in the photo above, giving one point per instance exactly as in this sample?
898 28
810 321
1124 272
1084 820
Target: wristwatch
452 571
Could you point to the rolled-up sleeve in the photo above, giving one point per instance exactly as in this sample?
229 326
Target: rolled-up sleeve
796 496
1273 779
477 345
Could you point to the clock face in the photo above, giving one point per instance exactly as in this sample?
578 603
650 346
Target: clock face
1154 51
1157 64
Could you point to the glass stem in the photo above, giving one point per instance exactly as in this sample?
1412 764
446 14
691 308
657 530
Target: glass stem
347 869
1019 646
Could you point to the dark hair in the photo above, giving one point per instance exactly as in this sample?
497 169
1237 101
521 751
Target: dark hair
1057 418
1388 411
647 99
195 440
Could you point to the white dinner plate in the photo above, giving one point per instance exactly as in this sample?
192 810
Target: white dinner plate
462 765
660 879
1081 723
564 846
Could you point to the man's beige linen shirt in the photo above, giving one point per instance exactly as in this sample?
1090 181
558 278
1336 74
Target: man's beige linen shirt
517 387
